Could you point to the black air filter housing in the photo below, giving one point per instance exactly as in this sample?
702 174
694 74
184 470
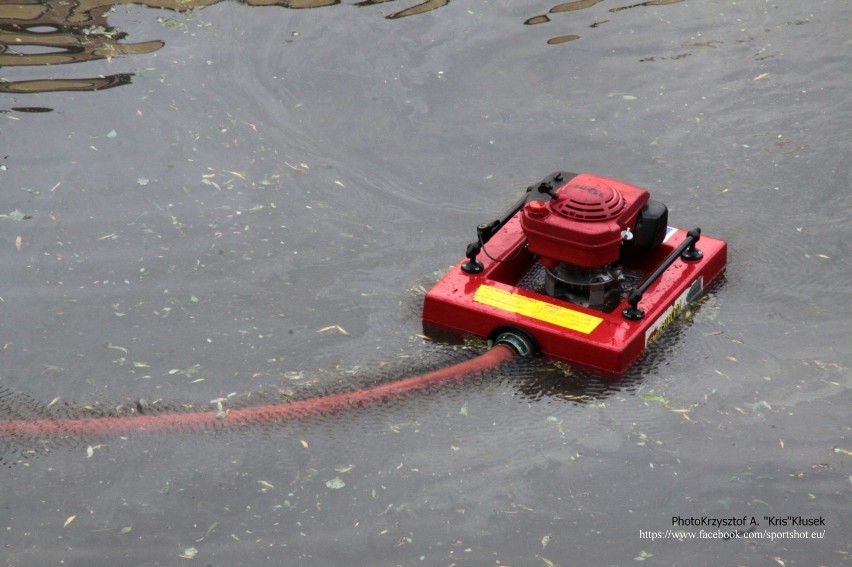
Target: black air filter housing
651 225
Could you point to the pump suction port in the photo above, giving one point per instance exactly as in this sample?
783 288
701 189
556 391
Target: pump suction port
520 340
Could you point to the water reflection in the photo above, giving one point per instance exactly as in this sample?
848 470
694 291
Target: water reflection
648 3
52 85
582 5
58 32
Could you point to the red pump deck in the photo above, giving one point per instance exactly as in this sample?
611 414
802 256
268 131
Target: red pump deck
506 295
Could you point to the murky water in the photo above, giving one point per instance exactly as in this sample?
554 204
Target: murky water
232 201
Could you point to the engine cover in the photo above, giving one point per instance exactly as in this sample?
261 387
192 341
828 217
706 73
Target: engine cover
585 222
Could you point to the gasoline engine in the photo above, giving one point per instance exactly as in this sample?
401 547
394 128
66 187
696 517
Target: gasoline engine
582 231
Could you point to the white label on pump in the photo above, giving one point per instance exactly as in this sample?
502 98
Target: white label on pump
693 291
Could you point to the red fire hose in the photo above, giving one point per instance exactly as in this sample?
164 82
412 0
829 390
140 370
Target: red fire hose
249 416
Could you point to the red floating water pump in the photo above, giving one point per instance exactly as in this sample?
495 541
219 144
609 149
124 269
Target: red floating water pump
582 268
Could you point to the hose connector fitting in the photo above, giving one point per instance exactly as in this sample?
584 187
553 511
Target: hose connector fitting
521 341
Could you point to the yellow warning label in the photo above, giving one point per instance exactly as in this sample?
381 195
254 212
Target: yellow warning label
536 309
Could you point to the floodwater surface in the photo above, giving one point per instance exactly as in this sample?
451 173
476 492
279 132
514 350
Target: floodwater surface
207 205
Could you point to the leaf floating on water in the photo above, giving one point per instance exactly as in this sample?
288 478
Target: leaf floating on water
69 520
547 561
15 215
337 328
90 451
344 468
304 443
189 553
663 401
336 483
210 529
266 485
212 183
126 529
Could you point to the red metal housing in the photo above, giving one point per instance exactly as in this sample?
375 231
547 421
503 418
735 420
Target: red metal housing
582 226
500 297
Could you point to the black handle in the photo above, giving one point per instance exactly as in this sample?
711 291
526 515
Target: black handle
686 251
545 190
